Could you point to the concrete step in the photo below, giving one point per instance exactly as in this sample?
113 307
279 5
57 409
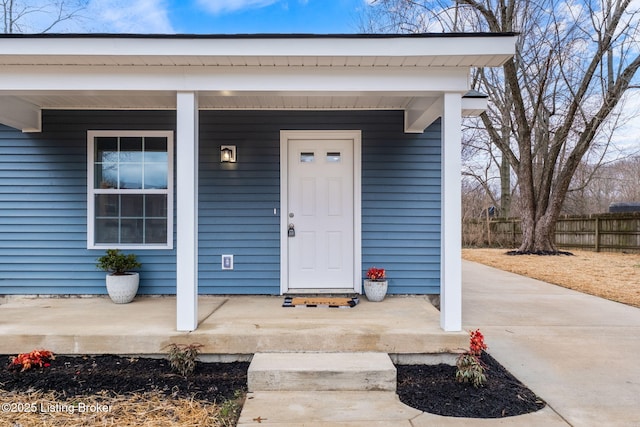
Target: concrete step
326 409
321 372
364 409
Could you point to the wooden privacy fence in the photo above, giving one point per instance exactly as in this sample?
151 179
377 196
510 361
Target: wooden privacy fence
610 232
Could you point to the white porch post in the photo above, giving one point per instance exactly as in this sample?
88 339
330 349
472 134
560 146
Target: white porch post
187 211
451 244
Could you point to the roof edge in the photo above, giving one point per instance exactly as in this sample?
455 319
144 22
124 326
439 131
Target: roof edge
250 36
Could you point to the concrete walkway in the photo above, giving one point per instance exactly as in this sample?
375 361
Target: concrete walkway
578 352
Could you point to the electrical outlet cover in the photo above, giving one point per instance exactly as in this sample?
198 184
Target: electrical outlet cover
227 262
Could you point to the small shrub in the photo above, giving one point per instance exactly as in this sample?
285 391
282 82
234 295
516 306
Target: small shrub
470 368
118 263
183 357
26 361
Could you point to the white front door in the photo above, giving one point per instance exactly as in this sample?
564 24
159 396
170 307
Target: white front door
319 221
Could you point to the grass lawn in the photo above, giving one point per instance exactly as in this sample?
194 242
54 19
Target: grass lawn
614 276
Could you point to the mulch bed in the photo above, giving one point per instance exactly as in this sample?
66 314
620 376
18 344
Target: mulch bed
541 253
86 375
427 388
433 389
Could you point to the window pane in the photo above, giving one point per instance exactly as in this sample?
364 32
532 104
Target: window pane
131 149
307 157
333 157
107 205
131 175
156 206
155 150
155 175
106 175
132 205
131 230
156 231
106 149
106 231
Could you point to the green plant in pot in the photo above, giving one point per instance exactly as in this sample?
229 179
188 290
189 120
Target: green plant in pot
122 283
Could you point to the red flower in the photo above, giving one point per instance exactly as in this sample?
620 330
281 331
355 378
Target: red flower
26 361
375 273
476 342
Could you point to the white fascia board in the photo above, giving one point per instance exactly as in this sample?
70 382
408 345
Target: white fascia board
472 107
122 47
19 114
233 79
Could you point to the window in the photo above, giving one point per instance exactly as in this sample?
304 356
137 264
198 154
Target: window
333 157
130 185
307 157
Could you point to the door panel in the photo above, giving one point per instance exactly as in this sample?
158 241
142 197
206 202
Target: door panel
321 210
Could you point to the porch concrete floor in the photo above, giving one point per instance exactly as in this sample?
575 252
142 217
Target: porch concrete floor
230 325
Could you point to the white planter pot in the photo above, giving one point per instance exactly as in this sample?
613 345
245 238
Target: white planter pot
122 289
375 290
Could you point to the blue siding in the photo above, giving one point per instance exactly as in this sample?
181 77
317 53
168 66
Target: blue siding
43 207
400 198
43 202
237 201
401 205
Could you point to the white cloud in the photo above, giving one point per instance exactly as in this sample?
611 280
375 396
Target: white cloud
625 137
128 16
226 6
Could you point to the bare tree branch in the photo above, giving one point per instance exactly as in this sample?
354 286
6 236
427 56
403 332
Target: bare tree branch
551 104
20 15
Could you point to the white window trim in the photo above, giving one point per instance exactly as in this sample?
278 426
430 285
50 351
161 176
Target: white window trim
91 191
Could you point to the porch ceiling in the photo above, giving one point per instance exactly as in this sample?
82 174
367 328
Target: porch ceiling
215 101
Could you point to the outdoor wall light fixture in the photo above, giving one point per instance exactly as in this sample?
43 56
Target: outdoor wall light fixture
227 154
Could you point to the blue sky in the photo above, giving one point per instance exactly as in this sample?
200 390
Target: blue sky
274 16
219 16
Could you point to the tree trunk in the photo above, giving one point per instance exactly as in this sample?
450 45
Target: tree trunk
538 235
505 187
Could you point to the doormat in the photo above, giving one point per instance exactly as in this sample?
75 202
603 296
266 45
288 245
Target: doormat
331 302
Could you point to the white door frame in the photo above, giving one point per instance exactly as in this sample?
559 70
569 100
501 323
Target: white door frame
356 137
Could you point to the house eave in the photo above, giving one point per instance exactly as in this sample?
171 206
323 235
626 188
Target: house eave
431 50
296 72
